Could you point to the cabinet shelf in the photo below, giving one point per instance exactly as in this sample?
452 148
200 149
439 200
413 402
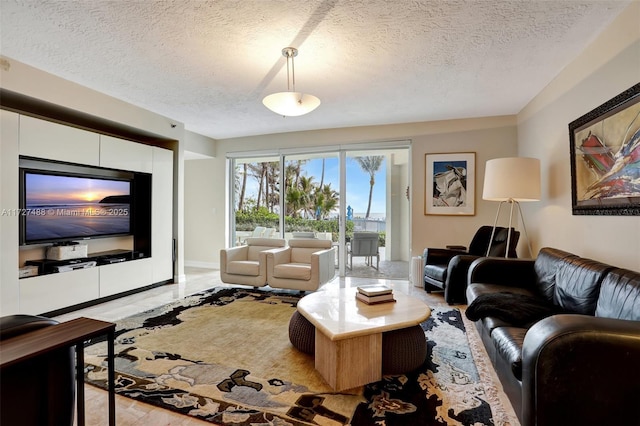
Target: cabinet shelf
47 266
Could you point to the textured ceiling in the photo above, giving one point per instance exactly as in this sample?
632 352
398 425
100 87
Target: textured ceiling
208 64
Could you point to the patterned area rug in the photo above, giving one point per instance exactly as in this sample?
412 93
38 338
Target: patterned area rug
224 356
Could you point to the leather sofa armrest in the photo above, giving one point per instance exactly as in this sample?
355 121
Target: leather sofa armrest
456 284
502 271
579 369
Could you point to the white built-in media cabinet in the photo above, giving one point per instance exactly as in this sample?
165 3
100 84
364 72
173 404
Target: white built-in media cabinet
24 136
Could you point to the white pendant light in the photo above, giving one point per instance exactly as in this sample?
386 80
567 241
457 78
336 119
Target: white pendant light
291 103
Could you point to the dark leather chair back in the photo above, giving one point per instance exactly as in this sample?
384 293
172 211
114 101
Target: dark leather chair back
480 242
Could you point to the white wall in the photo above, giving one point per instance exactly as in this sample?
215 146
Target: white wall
204 214
610 65
487 137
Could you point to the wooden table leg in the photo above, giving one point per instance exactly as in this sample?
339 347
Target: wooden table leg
348 363
80 382
111 377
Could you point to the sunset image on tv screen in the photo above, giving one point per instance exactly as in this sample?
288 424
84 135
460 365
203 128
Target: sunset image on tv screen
58 207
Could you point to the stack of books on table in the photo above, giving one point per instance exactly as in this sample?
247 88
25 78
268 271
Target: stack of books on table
373 294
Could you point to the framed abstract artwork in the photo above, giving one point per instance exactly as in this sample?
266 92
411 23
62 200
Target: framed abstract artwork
605 157
450 181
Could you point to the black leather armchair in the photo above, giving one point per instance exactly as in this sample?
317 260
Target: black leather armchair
446 269
40 391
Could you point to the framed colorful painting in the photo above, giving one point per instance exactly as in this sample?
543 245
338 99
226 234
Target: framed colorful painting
450 182
605 157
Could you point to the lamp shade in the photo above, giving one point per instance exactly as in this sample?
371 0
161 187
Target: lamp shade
513 178
291 104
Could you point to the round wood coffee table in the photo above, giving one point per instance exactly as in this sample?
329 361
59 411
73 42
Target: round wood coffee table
348 333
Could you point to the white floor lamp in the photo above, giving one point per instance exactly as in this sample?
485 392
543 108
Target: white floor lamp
511 180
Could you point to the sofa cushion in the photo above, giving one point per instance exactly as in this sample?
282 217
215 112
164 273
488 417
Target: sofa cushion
508 342
243 267
546 267
516 309
491 323
295 271
578 284
620 295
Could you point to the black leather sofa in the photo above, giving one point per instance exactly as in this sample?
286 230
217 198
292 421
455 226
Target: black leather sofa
563 333
40 391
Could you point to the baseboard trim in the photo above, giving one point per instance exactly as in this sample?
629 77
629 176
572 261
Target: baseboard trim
93 302
199 264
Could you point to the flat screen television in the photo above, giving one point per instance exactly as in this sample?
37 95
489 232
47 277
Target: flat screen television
59 206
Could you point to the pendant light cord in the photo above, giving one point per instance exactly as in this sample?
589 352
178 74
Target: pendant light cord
292 79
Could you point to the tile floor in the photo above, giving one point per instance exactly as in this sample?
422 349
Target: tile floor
133 413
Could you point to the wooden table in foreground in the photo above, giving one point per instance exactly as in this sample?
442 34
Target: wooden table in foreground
349 333
64 335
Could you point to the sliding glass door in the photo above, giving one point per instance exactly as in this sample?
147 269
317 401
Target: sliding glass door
377 184
328 195
311 198
255 198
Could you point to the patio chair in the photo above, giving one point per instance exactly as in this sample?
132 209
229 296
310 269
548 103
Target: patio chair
269 233
257 232
303 234
247 264
364 244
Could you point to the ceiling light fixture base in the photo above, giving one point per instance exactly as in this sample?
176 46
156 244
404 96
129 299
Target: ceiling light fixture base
289 52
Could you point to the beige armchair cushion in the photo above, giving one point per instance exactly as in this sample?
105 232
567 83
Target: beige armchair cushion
244 267
295 271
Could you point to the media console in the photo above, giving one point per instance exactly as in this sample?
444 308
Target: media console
46 266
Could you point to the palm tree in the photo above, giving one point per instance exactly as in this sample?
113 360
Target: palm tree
292 202
371 165
322 174
307 188
242 185
326 200
272 186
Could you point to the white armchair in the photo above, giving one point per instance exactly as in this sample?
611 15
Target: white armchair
247 264
305 265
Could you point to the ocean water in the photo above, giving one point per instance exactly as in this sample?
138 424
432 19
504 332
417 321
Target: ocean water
75 220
